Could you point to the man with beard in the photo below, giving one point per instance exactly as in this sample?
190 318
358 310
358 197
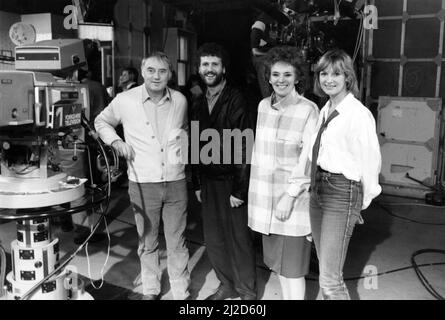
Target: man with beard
222 188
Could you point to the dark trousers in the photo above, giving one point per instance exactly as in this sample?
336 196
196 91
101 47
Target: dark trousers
263 82
229 241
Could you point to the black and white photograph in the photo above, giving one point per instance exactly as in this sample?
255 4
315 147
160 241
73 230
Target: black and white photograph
209 152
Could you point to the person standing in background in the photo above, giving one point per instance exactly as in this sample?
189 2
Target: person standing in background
128 79
264 35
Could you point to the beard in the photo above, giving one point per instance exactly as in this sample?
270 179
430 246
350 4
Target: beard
217 80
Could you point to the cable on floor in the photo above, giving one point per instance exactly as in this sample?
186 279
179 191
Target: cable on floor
389 212
93 230
389 271
414 265
418 204
421 276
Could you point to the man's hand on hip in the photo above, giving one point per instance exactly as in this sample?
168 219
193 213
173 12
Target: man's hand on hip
123 149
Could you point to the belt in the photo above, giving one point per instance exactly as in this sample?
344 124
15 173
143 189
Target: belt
321 170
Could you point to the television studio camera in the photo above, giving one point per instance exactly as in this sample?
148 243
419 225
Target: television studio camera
43 117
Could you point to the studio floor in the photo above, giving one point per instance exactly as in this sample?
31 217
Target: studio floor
378 265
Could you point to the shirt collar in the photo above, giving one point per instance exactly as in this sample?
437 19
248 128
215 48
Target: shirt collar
344 104
290 99
146 96
213 92
342 107
129 85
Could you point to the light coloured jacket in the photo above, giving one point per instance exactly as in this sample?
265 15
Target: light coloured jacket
157 159
280 165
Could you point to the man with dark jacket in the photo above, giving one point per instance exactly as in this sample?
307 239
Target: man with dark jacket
221 185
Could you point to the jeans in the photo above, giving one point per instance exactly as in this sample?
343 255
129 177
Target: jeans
150 202
335 207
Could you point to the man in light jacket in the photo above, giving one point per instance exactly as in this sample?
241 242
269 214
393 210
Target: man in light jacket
154 120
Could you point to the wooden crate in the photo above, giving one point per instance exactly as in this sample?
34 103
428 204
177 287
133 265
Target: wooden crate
398 159
409 131
404 57
410 120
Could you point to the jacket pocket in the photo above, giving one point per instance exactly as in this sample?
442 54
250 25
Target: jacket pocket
288 151
176 147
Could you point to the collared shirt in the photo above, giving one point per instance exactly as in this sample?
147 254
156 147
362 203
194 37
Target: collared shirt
349 145
129 86
157 158
158 111
280 164
213 94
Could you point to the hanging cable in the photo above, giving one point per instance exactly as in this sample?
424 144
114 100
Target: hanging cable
102 271
2 270
101 218
359 40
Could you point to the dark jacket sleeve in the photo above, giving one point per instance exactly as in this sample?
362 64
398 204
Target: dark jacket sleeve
240 119
196 180
255 37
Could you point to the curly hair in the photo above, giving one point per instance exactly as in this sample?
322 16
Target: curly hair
214 50
290 55
340 61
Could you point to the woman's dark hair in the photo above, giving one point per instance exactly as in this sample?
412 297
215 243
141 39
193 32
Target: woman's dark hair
132 71
290 55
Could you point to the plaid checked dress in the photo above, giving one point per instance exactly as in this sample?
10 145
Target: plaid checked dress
280 164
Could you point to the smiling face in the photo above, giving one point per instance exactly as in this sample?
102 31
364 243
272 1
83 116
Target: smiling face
283 79
156 74
333 81
211 70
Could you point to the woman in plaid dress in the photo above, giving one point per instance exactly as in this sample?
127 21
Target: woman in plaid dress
278 203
